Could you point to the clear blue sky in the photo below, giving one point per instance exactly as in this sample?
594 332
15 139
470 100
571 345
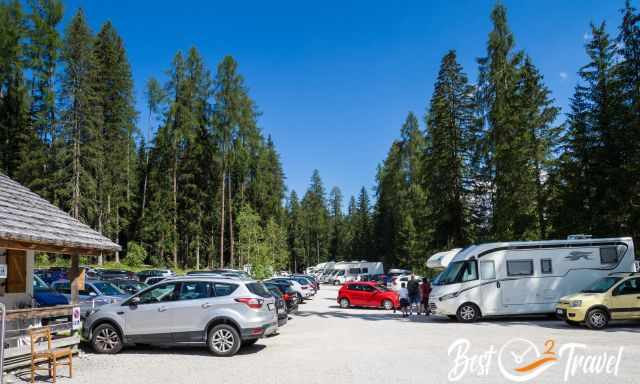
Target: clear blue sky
335 79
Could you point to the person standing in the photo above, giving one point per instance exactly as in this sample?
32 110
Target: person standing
413 286
404 299
425 291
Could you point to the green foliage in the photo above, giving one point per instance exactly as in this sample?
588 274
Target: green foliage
136 255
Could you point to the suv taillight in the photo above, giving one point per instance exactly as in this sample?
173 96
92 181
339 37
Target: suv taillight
251 302
285 297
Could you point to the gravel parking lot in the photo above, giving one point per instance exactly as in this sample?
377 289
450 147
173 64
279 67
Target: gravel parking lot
326 344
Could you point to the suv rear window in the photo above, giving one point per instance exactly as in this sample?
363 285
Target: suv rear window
224 289
258 289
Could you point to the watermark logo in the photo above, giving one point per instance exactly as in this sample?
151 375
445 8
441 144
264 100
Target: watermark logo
521 360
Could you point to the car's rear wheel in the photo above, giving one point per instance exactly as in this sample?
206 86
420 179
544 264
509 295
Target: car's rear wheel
344 303
224 340
468 313
106 339
597 319
387 304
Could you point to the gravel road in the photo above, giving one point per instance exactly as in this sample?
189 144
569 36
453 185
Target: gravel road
327 344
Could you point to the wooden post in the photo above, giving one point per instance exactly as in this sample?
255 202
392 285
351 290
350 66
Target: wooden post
75 277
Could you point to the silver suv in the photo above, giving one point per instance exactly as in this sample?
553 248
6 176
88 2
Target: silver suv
223 313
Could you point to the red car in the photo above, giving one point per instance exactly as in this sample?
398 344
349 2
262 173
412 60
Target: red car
367 294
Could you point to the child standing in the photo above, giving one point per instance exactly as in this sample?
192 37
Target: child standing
404 299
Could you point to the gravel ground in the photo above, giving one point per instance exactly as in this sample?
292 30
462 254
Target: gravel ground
327 344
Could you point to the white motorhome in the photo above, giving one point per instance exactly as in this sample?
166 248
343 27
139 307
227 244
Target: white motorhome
351 270
517 278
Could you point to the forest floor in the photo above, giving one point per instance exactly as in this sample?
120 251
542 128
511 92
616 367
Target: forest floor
326 344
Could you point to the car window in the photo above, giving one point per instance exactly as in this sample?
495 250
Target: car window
160 294
367 288
353 287
487 270
107 288
194 290
519 267
628 287
224 289
258 289
62 287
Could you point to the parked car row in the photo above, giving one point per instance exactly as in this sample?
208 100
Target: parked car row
220 308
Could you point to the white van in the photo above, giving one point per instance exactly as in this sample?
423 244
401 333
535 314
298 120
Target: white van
352 270
517 278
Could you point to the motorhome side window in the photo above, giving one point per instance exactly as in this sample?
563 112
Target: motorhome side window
354 271
365 270
546 266
487 270
608 255
519 267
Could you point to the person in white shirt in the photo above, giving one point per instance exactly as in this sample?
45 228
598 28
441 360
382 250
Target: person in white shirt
404 299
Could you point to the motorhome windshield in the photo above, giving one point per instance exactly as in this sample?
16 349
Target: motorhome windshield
602 285
458 272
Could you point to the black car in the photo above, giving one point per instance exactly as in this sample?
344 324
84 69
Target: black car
288 294
129 286
113 274
281 306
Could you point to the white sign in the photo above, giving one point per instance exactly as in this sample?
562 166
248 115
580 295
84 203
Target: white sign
76 318
3 271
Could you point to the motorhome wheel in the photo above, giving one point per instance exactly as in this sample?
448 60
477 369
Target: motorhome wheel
468 313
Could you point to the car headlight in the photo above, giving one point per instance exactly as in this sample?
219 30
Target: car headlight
575 303
448 296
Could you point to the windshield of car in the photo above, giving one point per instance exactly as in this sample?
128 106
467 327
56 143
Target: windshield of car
458 272
39 285
436 280
107 288
602 285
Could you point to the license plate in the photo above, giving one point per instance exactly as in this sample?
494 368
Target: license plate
559 311
270 306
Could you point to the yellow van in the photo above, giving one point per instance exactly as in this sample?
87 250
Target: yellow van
615 297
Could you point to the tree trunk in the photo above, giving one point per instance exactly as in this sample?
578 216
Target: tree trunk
175 211
222 220
117 235
230 209
197 252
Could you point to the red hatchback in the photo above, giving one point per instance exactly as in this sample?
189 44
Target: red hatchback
367 294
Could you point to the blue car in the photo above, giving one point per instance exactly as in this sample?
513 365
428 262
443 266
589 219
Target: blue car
46 296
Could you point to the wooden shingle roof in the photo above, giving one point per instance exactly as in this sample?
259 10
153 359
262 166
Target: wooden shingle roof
29 219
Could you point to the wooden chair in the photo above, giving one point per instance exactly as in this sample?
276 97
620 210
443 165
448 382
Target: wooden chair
53 357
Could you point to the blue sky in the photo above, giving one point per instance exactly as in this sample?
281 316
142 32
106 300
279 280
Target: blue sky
334 80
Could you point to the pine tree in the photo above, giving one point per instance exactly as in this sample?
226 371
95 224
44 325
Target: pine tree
316 215
539 115
115 179
629 76
296 231
15 132
513 211
336 236
43 52
451 123
80 155
362 237
592 180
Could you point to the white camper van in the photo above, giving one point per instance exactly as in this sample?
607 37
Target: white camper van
517 278
351 270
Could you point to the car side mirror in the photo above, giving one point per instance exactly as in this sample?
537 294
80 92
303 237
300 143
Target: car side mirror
134 301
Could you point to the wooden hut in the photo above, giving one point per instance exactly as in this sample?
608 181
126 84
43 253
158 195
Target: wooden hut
29 224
